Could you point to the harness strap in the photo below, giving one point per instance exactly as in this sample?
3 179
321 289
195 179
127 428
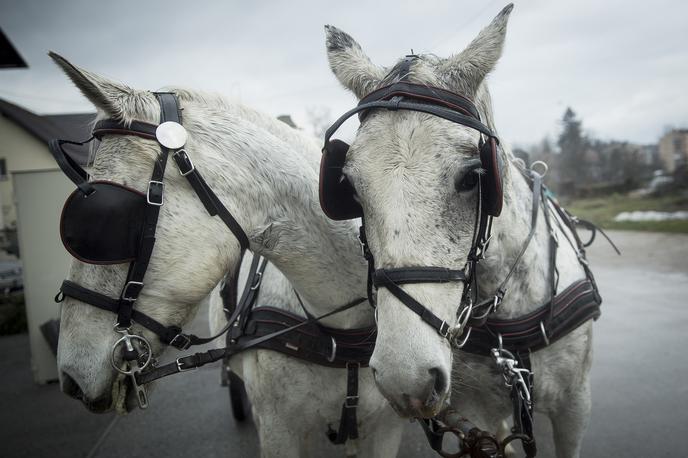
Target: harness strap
200 359
210 201
249 295
316 343
523 410
348 424
417 275
381 278
169 111
397 103
170 335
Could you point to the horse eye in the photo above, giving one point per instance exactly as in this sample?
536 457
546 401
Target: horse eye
467 181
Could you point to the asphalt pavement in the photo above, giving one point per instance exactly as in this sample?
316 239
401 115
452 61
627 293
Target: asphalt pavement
639 379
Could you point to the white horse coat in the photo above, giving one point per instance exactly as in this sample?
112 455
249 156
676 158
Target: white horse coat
266 175
402 165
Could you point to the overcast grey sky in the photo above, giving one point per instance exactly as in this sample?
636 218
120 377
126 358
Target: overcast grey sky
621 65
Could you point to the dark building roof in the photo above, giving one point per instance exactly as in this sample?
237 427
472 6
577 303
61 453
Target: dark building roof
45 128
9 57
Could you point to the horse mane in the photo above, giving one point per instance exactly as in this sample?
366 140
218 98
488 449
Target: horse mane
220 103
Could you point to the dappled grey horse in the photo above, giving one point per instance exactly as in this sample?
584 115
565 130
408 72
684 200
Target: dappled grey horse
264 174
436 187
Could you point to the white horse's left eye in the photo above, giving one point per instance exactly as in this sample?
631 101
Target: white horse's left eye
466 180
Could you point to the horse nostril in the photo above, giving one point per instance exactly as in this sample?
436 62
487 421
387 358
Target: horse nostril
70 387
440 380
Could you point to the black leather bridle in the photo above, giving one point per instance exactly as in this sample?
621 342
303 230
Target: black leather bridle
136 351
123 306
460 110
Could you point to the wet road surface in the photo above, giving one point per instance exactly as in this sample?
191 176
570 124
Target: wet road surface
639 377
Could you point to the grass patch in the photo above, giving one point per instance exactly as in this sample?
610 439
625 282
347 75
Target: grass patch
602 210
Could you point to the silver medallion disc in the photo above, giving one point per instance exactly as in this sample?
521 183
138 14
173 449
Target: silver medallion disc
171 135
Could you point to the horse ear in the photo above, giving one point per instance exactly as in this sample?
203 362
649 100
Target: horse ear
467 70
350 64
105 94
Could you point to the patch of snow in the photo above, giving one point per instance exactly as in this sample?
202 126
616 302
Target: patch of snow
651 216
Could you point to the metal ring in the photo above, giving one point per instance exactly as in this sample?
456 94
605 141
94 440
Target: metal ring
124 339
544 166
465 339
467 310
544 332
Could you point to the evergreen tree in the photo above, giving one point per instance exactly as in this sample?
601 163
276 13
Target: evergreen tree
572 146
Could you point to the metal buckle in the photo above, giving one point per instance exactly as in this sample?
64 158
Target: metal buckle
183 337
365 252
188 159
162 193
482 247
255 286
498 298
581 258
444 329
180 367
125 291
351 402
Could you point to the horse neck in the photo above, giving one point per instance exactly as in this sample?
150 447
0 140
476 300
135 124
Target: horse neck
530 285
269 182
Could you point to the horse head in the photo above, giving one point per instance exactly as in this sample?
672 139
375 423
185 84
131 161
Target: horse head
191 250
417 171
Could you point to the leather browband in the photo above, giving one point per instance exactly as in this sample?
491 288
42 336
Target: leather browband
430 94
137 128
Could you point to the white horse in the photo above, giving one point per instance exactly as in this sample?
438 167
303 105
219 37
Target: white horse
266 174
402 165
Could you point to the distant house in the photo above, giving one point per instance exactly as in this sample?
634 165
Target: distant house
24 147
673 149
287 120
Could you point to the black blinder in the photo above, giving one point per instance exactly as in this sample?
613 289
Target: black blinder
492 181
103 227
336 192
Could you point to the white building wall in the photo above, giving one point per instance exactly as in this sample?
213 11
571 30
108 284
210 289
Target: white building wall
39 199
